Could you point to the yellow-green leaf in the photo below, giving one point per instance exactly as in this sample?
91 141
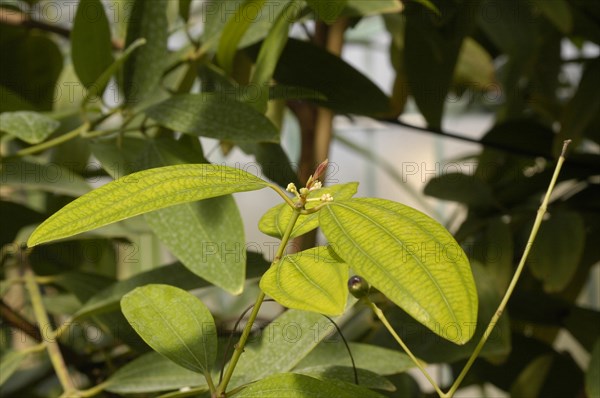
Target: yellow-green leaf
311 280
276 219
143 192
409 257
174 323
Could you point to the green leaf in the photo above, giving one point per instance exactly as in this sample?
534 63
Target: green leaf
372 7
334 374
269 54
91 48
274 162
327 11
592 381
474 68
143 69
383 361
44 177
311 280
581 109
275 220
108 299
9 363
290 385
184 9
347 90
556 252
83 285
152 372
462 188
409 257
284 343
174 323
28 126
143 192
234 30
215 116
32 69
432 45
532 378
98 86
558 12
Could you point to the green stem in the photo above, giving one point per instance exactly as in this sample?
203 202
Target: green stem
390 329
51 344
54 142
515 279
239 348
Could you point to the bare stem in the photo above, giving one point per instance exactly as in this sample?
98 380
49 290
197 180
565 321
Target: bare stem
515 279
239 348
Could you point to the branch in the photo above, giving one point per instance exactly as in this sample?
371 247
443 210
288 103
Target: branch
20 19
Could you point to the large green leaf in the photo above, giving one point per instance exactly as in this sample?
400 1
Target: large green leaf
276 219
558 12
409 257
91 48
44 177
174 323
283 344
461 188
554 259
592 381
273 160
312 280
290 385
432 46
98 86
581 110
150 373
144 68
345 374
347 90
270 51
327 11
380 360
28 126
143 192
215 116
234 30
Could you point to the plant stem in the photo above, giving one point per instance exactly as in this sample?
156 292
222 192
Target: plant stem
56 141
515 279
239 348
390 329
51 344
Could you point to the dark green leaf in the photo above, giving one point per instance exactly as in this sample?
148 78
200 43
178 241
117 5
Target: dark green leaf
9 363
151 373
530 381
32 69
290 385
432 46
329 10
592 381
184 9
383 361
347 90
15 217
91 48
557 250
31 127
581 110
461 188
144 68
174 323
273 161
334 374
215 116
45 177
558 12
234 30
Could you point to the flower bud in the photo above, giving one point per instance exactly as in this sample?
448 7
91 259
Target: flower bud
358 287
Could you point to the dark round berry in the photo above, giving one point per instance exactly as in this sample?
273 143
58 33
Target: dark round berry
358 287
